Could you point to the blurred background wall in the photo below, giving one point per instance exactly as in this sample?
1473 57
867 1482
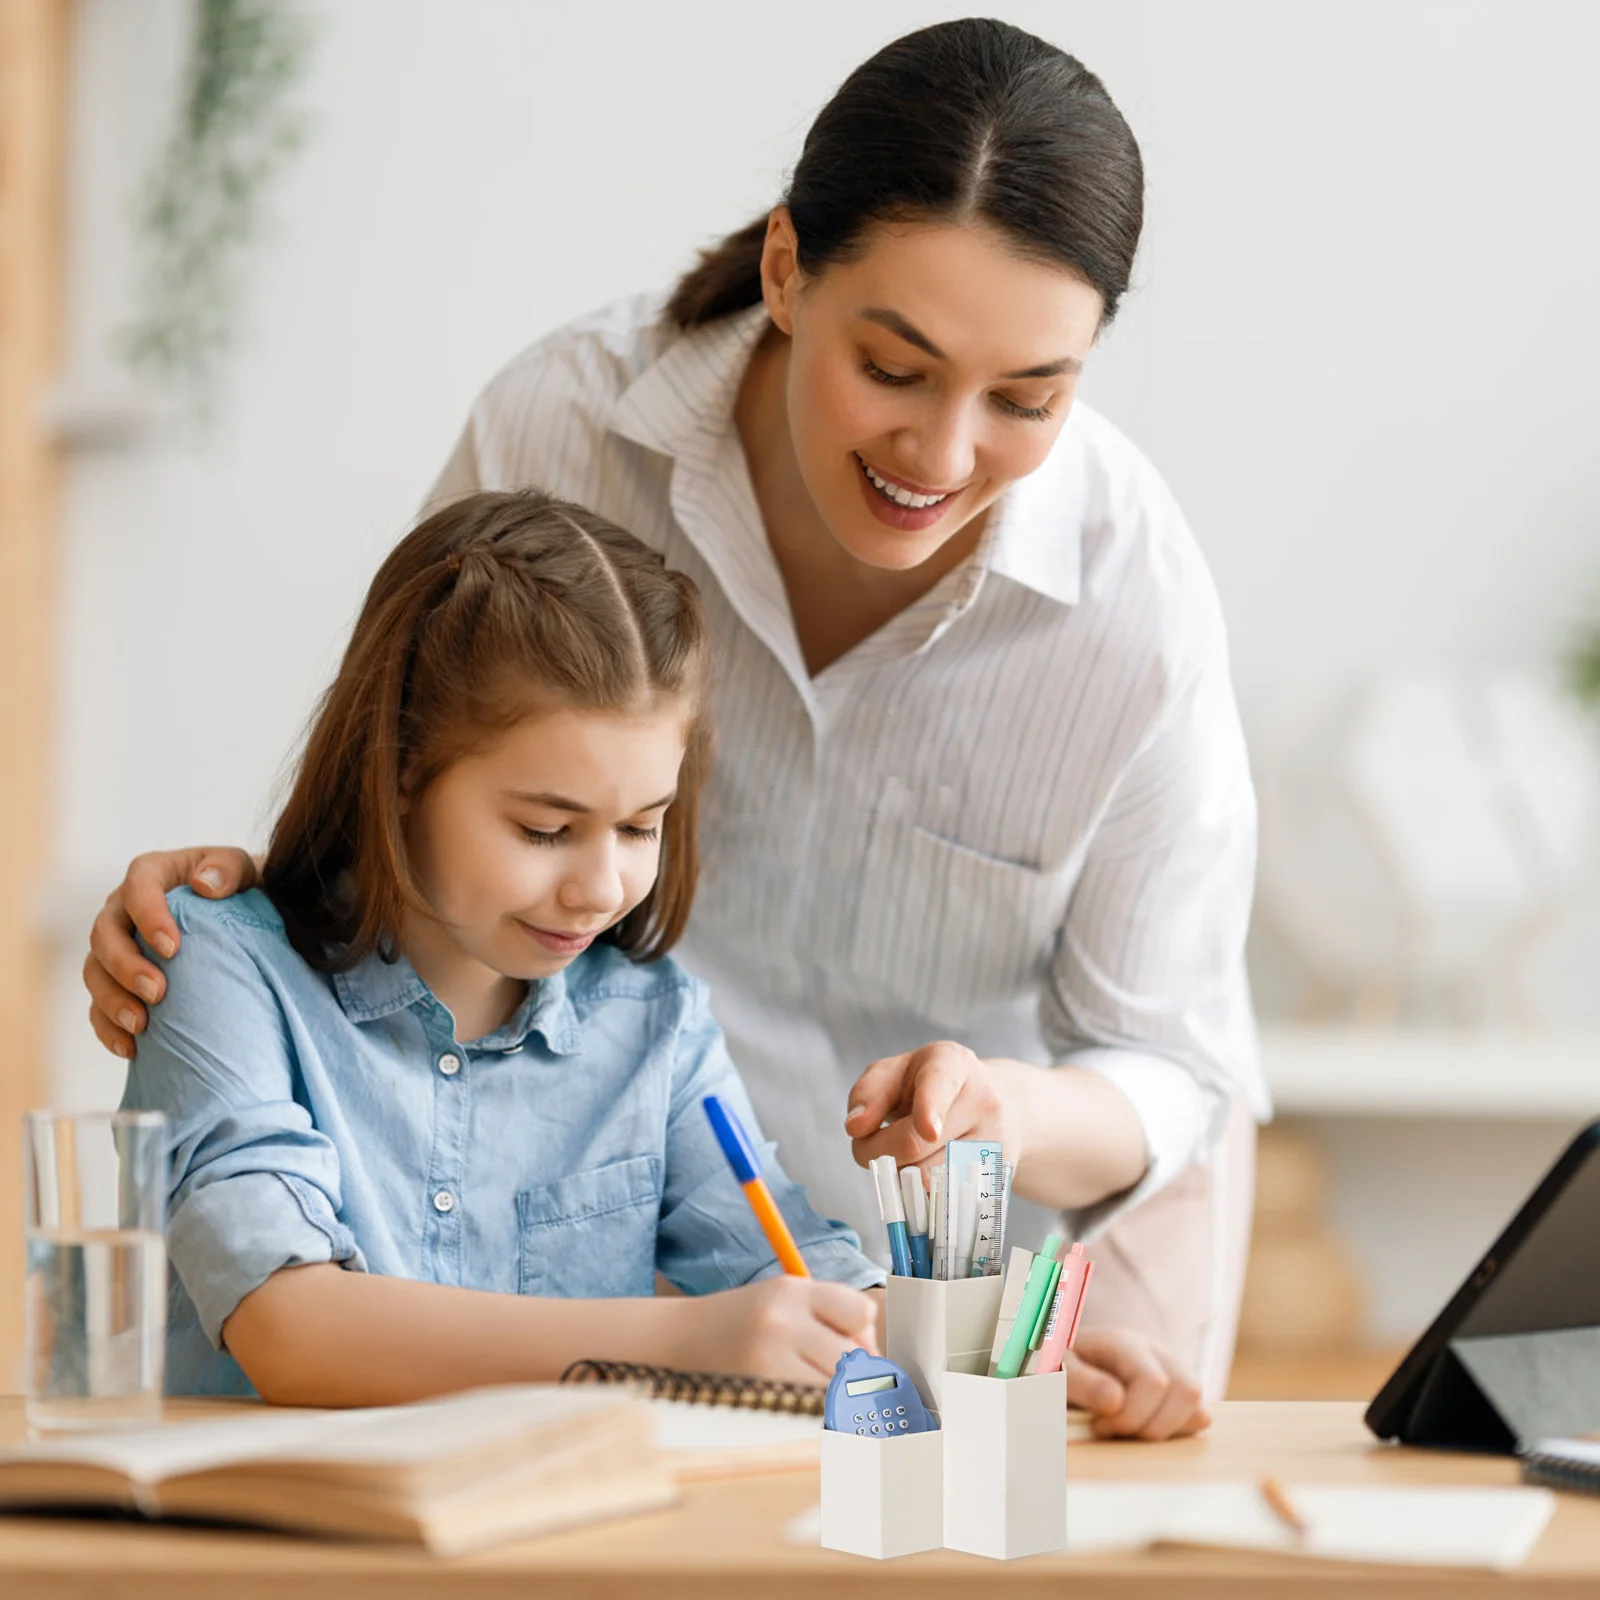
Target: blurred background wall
1362 347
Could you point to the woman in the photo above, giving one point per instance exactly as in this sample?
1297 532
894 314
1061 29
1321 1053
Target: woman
981 821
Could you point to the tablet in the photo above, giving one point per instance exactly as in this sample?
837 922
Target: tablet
1515 1355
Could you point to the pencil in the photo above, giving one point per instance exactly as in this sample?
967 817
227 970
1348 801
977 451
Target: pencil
1282 1507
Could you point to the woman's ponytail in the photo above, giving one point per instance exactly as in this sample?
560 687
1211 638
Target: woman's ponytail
726 278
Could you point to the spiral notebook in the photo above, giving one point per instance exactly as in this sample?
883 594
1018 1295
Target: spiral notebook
1563 1464
717 1425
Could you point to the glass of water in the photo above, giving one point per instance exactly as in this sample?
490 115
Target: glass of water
94 1208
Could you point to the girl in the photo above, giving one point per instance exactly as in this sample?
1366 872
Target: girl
980 846
434 1094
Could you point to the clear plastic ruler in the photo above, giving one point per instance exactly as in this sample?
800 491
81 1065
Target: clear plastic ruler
972 1198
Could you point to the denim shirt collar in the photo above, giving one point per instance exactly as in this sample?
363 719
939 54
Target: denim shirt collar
376 988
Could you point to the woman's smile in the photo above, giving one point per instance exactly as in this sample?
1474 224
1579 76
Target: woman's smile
897 503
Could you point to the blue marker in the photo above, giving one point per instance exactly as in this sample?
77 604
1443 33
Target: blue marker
916 1199
894 1216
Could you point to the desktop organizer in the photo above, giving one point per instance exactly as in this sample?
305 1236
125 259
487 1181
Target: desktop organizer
992 1481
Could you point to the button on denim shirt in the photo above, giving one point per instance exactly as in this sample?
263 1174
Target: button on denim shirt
320 1117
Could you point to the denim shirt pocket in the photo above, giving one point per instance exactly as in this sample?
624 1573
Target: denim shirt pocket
591 1234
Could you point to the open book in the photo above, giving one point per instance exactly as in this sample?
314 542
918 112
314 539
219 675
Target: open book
451 1475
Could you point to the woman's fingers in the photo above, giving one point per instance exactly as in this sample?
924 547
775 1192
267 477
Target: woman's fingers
923 1094
114 1013
219 871
1090 1388
1160 1398
117 1040
875 1094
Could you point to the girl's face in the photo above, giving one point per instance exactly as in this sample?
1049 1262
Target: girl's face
530 848
923 377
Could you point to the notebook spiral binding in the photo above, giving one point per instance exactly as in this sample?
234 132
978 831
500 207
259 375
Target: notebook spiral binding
703 1388
1560 1471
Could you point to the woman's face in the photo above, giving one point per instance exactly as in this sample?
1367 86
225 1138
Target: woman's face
924 376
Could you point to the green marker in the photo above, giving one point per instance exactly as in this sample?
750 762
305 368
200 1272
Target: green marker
1035 1293
1044 1308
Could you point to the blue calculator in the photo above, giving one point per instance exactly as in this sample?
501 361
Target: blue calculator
873 1397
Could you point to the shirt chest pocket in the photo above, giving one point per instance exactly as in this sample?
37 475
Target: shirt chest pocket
947 931
592 1234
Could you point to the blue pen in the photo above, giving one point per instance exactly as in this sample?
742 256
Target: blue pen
746 1166
916 1202
894 1216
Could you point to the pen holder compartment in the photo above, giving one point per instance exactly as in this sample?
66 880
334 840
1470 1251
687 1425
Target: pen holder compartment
1005 1463
882 1497
936 1326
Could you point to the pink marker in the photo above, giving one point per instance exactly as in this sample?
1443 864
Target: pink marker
1065 1309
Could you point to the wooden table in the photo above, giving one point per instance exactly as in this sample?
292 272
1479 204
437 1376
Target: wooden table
727 1539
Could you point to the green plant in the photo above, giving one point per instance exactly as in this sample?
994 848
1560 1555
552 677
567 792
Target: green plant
1583 665
202 206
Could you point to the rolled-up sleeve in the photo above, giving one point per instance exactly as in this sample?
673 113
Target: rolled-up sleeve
1148 984
708 1238
252 1186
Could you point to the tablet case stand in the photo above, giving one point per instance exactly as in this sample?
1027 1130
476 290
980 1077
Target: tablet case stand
1500 1391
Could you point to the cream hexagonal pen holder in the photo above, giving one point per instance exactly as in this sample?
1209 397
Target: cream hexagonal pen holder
1005 1464
882 1497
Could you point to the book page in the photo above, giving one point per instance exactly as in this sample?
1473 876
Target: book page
385 1436
721 1441
1444 1527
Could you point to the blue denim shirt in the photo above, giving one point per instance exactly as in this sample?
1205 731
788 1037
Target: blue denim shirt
335 1118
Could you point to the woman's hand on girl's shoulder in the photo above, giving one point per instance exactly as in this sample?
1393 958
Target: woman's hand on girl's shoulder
120 981
1132 1387
790 1329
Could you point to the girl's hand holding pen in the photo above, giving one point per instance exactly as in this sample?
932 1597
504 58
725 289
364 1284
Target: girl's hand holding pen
787 1328
942 1091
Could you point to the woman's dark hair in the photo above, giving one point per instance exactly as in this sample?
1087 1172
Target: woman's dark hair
497 607
964 121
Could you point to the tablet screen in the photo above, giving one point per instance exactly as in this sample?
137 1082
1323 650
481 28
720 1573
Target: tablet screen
1552 1278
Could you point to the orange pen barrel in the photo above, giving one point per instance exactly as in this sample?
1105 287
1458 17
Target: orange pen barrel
775 1228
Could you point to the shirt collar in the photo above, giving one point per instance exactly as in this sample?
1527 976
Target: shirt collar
682 405
376 988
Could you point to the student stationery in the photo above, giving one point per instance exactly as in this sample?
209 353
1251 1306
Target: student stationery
886 1180
1016 1279
716 1424
874 1399
1563 1464
450 1475
1490 1528
1042 1273
746 1164
1066 1308
915 1198
973 1194
725 1391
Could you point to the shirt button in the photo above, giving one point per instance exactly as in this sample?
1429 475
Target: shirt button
449 1065
444 1201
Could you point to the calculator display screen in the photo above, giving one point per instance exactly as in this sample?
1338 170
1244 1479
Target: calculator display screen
871 1385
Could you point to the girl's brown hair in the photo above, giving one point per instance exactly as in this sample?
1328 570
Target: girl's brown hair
496 607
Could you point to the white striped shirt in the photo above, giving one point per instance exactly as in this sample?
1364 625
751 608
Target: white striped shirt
1018 816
